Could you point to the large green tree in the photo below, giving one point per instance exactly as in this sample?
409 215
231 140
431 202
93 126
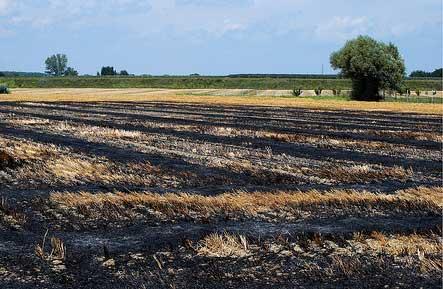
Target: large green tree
56 64
371 65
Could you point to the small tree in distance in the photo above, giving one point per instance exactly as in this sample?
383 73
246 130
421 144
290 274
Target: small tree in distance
71 72
108 70
56 64
371 65
124 73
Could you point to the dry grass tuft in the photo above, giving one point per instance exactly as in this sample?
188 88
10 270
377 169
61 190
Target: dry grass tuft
97 131
29 151
58 249
7 161
405 245
431 265
426 250
70 168
346 265
11 215
430 195
223 245
359 173
29 121
418 135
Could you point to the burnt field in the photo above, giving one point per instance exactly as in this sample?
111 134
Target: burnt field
166 194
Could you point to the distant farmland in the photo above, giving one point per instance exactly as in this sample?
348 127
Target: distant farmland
216 82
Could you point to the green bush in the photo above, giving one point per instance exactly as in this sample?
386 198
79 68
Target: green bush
297 92
318 91
4 89
400 90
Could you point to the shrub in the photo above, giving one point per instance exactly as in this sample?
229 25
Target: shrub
401 90
4 89
336 92
71 72
297 92
318 91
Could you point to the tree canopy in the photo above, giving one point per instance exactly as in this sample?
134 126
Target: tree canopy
371 65
108 70
56 64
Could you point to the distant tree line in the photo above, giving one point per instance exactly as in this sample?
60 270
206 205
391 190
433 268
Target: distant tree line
21 74
110 71
57 65
302 76
421 73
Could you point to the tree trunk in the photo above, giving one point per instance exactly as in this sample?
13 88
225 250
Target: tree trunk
366 89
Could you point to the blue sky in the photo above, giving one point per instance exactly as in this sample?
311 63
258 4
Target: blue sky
212 37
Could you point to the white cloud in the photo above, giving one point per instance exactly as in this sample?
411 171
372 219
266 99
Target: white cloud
231 27
342 28
5 5
218 3
69 12
216 18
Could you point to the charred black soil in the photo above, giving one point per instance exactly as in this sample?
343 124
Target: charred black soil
175 195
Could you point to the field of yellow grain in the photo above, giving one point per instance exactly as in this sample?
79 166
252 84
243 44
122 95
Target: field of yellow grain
187 96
